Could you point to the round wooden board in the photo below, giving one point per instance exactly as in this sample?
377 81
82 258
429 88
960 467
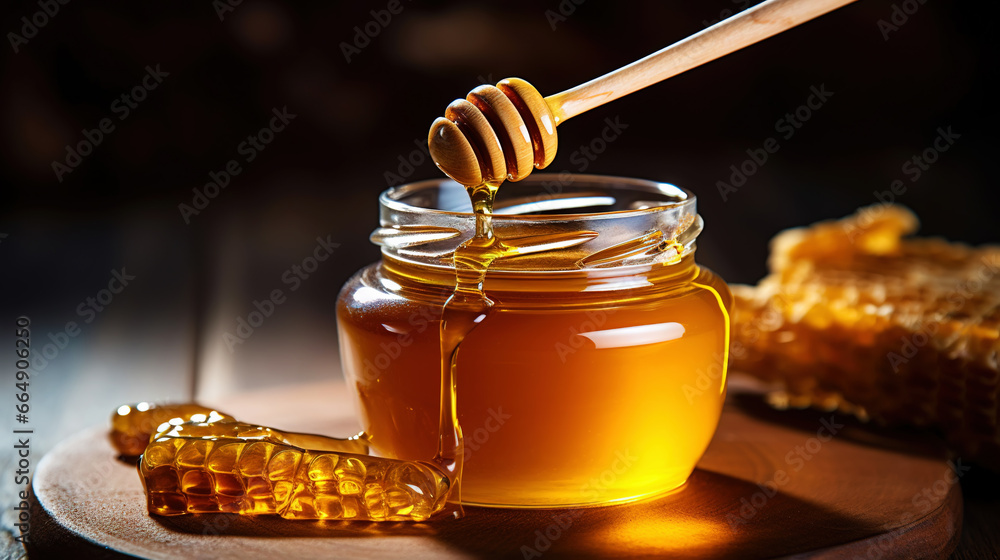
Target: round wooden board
763 489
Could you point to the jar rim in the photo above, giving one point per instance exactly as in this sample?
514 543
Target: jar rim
559 221
391 198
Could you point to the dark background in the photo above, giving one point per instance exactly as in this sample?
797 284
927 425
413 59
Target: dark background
323 174
60 240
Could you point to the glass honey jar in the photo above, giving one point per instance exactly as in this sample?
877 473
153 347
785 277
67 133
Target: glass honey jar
598 374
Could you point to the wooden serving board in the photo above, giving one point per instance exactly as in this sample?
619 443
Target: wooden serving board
763 489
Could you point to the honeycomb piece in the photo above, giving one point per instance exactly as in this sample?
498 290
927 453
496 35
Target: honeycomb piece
903 331
132 425
235 467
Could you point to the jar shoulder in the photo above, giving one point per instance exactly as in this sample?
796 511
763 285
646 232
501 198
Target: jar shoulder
371 294
371 287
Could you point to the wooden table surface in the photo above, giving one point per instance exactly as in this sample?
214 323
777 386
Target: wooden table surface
981 511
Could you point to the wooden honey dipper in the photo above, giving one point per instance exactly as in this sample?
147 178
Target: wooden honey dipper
501 132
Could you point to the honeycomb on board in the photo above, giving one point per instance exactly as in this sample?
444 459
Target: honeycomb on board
905 331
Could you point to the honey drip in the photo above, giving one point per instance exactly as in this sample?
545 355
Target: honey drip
466 308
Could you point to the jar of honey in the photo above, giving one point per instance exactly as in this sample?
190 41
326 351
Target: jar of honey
598 373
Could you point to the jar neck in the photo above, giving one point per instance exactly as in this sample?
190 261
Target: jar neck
435 282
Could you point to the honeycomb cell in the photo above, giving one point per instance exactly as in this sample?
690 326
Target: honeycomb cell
223 458
283 465
194 453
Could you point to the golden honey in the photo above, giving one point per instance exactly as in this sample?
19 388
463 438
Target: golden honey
594 374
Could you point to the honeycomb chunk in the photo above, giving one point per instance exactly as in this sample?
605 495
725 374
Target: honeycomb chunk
235 467
905 331
133 424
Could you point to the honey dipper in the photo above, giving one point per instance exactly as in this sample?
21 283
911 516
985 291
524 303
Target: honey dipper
500 132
